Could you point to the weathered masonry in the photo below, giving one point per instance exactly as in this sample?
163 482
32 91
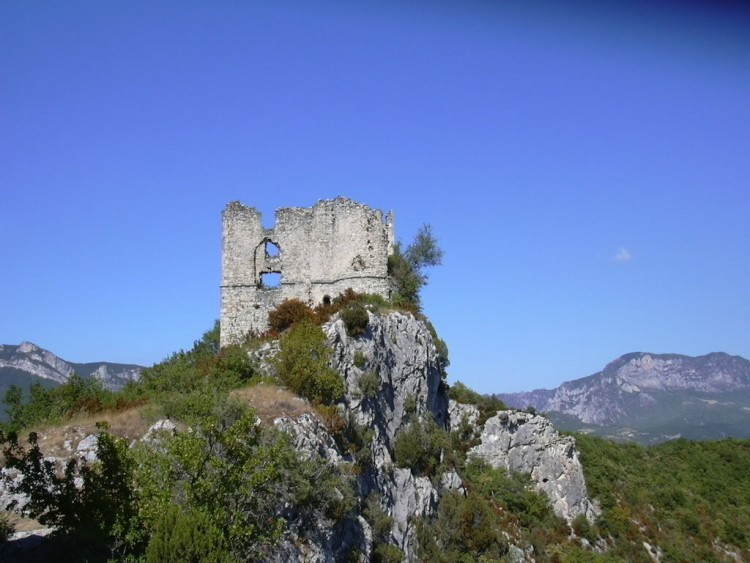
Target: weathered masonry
316 253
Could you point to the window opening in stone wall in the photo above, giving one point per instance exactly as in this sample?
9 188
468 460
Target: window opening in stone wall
270 280
272 249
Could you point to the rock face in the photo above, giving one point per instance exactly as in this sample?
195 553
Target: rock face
400 352
529 444
33 361
459 412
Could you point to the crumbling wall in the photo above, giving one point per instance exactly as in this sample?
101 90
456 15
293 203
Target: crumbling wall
318 251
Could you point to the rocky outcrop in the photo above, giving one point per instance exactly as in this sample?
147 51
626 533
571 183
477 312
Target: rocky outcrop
458 413
310 437
400 352
525 443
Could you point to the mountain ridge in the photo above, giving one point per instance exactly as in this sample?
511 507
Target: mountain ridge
39 363
644 396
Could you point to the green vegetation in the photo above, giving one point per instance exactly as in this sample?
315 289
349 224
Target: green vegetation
407 267
226 488
381 523
93 521
497 506
303 364
46 405
488 405
186 535
421 447
355 319
219 492
369 384
681 496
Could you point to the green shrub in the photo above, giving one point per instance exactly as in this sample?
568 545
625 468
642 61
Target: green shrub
369 384
185 535
359 359
355 319
349 298
97 515
420 446
244 477
287 313
410 405
406 268
303 364
466 529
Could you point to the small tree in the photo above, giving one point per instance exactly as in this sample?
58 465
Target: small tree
302 364
406 267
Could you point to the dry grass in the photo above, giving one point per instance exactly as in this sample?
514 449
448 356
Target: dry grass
272 401
60 441
21 523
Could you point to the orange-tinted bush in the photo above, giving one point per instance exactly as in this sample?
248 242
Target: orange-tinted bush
287 313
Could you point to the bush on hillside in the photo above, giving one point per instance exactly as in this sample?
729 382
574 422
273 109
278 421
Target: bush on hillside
302 364
465 529
355 319
187 535
421 447
369 384
287 313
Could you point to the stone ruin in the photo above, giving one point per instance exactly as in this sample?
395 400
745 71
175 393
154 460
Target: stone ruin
314 254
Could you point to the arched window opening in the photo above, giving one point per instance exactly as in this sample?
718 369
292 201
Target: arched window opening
272 249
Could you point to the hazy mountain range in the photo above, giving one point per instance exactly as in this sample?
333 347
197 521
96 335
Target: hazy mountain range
652 398
27 363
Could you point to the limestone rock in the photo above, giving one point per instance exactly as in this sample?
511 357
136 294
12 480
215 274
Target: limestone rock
409 496
160 429
87 448
311 438
10 480
458 412
451 481
529 444
400 351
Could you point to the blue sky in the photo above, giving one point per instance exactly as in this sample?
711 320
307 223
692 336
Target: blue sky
586 169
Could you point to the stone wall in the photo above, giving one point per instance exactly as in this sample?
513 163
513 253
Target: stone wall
319 251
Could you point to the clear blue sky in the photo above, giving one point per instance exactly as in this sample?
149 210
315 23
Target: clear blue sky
586 169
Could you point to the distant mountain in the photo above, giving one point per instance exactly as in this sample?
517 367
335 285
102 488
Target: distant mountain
27 363
652 398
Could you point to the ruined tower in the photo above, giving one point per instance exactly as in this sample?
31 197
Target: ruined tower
318 252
